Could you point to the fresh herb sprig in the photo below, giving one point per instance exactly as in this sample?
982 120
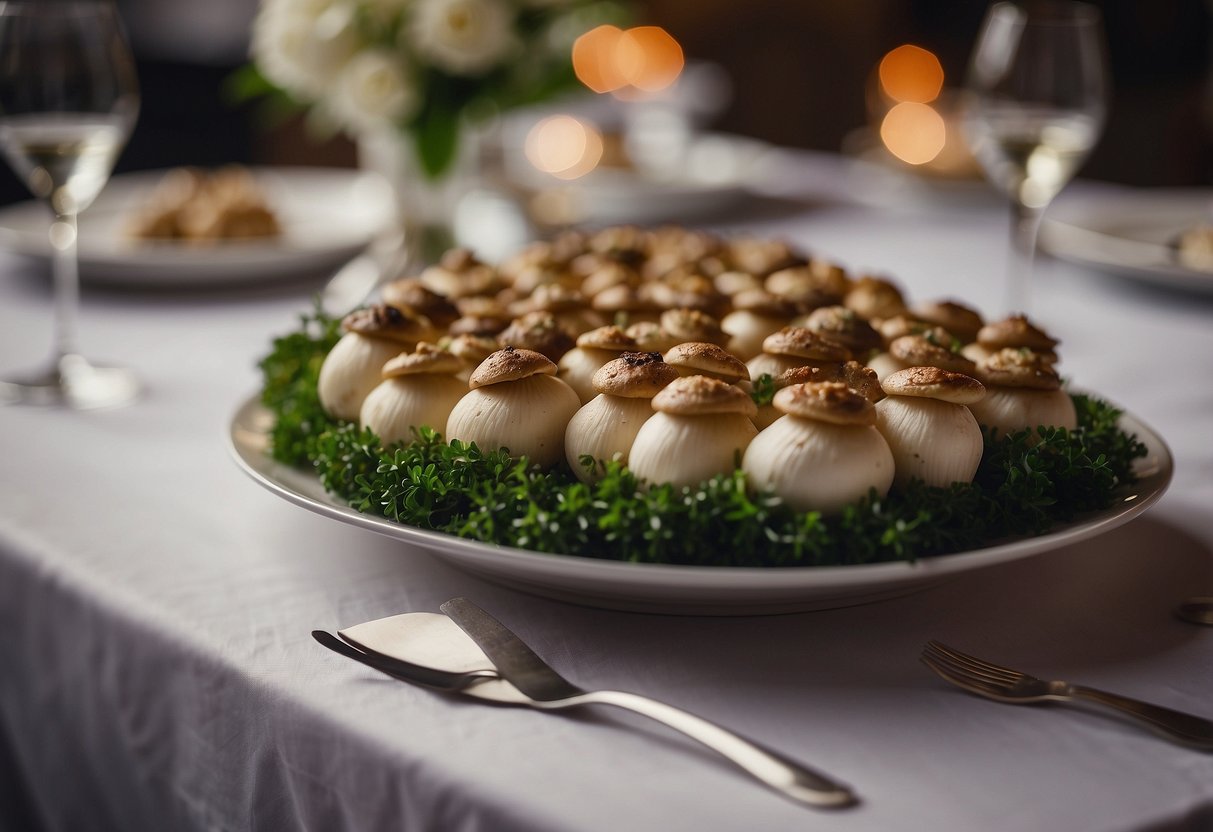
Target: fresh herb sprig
1026 483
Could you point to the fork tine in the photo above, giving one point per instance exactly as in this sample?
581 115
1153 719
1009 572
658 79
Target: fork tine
963 681
945 661
974 664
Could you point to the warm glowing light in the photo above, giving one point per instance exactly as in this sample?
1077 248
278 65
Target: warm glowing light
649 58
911 73
913 132
563 146
594 59
609 59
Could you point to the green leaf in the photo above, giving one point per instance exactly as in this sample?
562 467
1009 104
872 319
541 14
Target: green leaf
1026 483
436 140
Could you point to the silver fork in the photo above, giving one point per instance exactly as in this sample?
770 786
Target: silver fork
1006 685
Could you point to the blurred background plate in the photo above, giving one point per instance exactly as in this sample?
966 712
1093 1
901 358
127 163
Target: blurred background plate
327 217
1130 233
691 178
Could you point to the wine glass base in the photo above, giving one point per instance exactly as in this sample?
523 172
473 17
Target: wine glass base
74 383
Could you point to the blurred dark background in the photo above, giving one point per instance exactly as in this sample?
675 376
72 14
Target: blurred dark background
798 67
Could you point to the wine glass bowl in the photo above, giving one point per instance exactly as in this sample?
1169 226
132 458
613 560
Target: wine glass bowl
69 98
1035 105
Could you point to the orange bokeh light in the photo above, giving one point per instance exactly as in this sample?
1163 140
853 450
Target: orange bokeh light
911 73
594 59
609 59
564 147
914 132
649 58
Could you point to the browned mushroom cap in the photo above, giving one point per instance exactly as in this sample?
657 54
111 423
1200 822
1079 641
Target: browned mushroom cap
1018 368
688 291
409 293
690 245
459 274
471 349
732 282
894 327
799 342
860 378
538 331
650 337
634 375
623 298
607 338
703 396
510 364
481 306
693 325
1015 331
761 257
540 254
762 303
700 358
427 358
958 319
826 401
530 278
388 323
935 383
807 288
478 325
922 351
874 297
607 275
551 297
845 327
626 243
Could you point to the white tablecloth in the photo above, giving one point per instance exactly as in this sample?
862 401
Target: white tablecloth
156 670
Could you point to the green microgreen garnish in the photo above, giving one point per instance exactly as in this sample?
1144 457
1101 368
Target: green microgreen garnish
1023 487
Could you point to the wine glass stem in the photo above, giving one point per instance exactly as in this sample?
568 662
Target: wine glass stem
1025 228
65 267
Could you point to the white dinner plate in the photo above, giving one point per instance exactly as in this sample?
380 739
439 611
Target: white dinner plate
1129 234
690 590
327 216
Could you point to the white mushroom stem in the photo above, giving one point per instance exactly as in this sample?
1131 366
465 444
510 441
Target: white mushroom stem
577 368
817 466
747 330
934 441
885 365
351 370
398 405
1011 409
686 450
604 428
527 416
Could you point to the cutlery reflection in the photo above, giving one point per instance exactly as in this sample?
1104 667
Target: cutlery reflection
1005 685
518 664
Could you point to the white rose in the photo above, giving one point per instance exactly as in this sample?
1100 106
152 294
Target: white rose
463 37
374 90
301 44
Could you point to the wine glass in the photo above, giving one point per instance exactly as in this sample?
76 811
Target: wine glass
1035 104
68 100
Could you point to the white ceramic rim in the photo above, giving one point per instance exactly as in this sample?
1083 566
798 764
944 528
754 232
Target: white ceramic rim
328 215
698 589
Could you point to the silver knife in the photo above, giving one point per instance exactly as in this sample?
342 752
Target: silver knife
519 665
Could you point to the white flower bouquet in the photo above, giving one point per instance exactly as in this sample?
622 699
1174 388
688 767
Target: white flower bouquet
422 67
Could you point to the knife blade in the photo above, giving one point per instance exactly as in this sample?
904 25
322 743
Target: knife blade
521 666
